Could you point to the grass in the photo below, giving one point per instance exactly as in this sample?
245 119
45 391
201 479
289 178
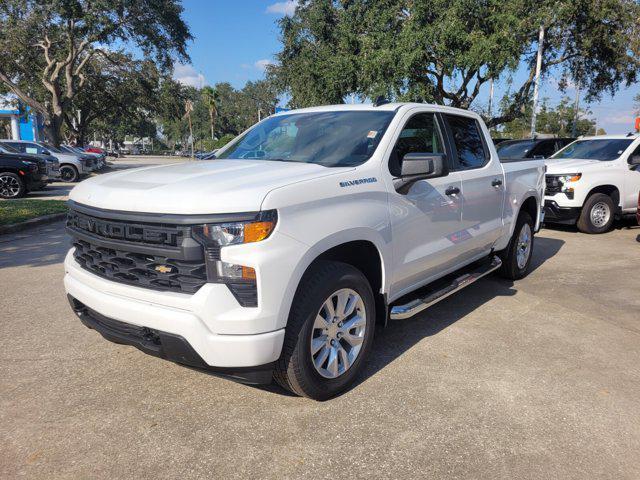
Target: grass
16 211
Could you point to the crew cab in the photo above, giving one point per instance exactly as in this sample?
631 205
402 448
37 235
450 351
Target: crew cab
592 181
278 258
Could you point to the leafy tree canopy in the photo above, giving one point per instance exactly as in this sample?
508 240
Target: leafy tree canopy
443 51
47 45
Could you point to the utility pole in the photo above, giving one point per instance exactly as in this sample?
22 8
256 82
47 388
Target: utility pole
576 113
490 97
537 81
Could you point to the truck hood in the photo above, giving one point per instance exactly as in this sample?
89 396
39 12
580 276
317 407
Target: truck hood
202 187
574 165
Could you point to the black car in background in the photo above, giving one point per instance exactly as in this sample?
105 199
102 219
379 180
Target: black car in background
21 175
51 162
532 147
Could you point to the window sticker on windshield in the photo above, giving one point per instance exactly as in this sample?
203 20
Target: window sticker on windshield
372 134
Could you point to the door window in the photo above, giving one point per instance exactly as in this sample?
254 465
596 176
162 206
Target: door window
419 135
468 141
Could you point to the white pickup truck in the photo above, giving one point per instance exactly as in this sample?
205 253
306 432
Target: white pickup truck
278 258
593 180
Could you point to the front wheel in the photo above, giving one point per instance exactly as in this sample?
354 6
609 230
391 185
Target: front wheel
69 173
329 332
597 214
11 186
516 258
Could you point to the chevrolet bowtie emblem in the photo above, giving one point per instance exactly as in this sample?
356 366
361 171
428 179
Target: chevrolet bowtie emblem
164 268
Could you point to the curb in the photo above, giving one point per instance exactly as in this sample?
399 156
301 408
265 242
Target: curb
32 222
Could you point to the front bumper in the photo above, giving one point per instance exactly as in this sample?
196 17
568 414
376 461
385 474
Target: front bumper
553 213
163 345
195 318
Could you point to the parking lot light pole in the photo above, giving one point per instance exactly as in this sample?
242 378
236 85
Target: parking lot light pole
536 85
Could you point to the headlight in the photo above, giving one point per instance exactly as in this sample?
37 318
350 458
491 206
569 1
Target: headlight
562 183
224 234
569 177
33 167
240 279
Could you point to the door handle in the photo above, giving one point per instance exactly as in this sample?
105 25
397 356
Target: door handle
452 191
496 182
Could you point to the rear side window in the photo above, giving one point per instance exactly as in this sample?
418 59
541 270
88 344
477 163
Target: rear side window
467 139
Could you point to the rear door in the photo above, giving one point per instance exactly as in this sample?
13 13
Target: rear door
482 185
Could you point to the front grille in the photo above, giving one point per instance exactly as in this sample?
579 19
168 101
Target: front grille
139 233
141 269
553 185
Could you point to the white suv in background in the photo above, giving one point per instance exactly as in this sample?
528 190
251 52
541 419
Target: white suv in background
593 180
72 167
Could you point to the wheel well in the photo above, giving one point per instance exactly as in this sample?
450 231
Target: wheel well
364 256
530 206
610 190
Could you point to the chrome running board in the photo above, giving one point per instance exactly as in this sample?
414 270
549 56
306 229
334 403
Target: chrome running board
400 312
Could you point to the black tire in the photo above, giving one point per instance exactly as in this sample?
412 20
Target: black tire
603 202
69 173
510 268
295 369
11 186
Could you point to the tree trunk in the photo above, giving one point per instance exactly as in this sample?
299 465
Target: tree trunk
211 122
53 127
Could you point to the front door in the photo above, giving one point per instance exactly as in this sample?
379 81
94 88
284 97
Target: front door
425 219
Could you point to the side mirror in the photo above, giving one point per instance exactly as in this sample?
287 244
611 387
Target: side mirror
420 166
634 160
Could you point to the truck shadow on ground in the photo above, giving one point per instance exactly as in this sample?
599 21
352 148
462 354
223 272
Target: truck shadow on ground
399 336
36 247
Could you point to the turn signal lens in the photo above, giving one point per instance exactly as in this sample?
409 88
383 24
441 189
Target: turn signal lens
255 232
248 273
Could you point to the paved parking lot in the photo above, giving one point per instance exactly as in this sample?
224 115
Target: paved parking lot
537 379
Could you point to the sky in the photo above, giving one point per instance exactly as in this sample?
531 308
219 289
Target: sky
235 40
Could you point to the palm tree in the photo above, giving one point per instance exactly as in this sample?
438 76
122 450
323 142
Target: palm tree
211 99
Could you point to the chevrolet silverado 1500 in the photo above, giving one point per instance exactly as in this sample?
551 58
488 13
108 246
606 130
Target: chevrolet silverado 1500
593 180
278 258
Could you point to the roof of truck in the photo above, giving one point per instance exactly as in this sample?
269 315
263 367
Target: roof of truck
611 137
371 107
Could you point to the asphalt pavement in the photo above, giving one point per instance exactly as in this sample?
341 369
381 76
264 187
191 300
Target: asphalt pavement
534 379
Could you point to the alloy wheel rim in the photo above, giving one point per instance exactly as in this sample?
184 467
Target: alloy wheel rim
600 214
524 246
66 173
9 186
338 333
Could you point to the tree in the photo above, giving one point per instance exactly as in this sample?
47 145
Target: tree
47 45
210 98
120 97
557 120
444 51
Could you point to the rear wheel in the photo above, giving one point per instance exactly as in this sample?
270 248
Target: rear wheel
69 173
597 214
516 258
329 332
11 186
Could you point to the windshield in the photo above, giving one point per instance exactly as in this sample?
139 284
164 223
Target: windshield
51 148
331 139
515 149
605 149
